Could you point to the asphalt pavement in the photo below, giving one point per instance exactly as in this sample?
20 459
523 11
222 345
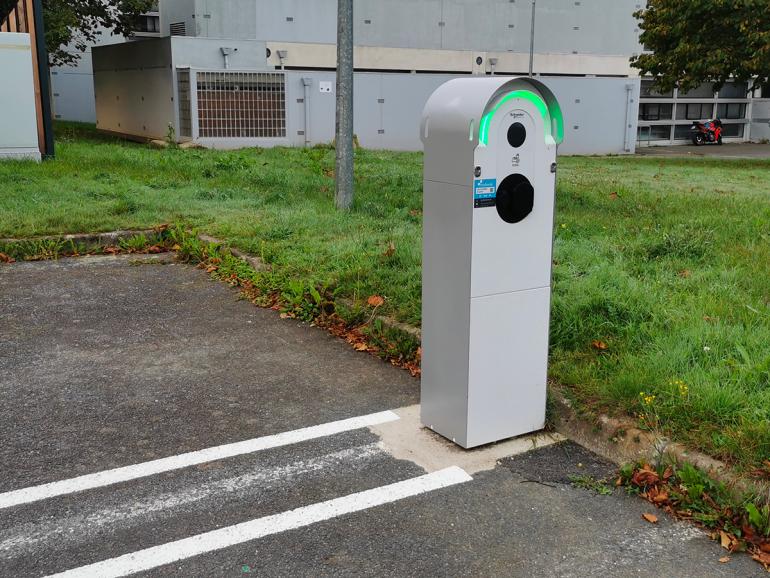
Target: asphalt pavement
154 424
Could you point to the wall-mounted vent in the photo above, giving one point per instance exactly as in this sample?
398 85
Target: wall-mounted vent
178 29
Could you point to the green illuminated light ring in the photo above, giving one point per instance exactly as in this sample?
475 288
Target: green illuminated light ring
555 124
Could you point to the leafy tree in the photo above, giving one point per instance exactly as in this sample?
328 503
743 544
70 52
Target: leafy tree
70 25
76 23
697 41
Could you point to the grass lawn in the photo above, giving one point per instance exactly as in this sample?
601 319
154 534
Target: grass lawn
661 280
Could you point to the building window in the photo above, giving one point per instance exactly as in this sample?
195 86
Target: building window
734 90
148 24
732 130
649 92
657 132
682 132
655 111
694 110
731 110
703 91
241 104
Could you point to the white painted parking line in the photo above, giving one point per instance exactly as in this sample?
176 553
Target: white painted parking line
171 552
142 470
91 524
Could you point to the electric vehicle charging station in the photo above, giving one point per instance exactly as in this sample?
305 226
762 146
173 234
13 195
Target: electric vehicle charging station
488 214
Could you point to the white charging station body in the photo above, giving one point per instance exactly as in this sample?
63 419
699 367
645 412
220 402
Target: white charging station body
488 213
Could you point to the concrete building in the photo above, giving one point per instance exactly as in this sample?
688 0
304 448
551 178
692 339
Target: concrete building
72 86
240 72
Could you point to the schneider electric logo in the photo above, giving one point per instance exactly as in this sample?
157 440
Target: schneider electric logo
517 114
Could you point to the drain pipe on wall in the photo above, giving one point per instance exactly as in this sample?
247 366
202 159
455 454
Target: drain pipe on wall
306 84
629 112
226 52
282 54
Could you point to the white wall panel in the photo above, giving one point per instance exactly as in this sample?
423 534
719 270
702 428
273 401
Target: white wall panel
18 120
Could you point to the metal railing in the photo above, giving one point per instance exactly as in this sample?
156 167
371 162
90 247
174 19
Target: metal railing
229 104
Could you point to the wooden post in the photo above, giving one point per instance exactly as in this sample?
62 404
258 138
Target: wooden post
29 10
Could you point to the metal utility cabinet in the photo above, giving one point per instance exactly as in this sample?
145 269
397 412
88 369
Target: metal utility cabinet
490 173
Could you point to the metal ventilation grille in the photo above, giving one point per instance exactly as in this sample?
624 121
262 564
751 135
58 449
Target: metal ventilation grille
178 29
185 107
241 104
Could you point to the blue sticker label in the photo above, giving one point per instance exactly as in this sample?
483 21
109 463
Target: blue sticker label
484 192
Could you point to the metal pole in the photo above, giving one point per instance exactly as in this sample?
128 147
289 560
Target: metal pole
344 124
45 81
306 84
532 39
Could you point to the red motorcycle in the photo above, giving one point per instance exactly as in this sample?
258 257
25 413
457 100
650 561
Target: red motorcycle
709 132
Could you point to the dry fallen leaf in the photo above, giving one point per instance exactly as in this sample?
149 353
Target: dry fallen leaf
375 301
361 347
614 196
660 498
600 345
685 273
725 540
651 518
6 259
762 558
724 559
645 477
391 250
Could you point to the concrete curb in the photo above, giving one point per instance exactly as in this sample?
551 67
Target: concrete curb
621 441
106 239
258 265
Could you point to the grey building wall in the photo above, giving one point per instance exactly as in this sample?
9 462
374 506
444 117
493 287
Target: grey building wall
564 28
207 53
388 109
760 120
72 87
176 12
137 95
134 88
604 27
135 82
